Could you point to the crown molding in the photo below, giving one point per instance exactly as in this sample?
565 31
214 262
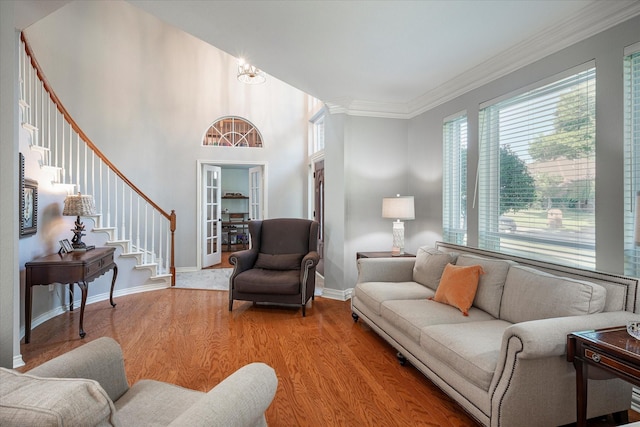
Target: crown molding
598 16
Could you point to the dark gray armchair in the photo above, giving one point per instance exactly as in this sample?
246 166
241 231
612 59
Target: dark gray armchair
280 266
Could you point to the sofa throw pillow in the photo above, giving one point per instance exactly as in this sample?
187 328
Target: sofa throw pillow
27 400
458 286
278 261
429 266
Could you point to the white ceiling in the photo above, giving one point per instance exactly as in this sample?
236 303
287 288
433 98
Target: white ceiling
389 58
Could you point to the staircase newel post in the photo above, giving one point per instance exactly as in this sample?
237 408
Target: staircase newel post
172 220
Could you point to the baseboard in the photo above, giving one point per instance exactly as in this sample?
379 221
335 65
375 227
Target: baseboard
18 361
186 269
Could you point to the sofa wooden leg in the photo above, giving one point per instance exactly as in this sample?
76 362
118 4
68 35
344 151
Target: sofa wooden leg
355 317
304 310
230 305
401 359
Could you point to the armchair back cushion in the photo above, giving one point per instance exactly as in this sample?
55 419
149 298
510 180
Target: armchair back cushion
27 400
281 236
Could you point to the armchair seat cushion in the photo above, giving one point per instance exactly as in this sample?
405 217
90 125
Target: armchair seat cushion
263 281
150 402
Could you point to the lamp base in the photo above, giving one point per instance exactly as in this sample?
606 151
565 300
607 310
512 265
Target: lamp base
398 239
78 232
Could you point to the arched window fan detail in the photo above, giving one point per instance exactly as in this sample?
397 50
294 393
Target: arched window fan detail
232 131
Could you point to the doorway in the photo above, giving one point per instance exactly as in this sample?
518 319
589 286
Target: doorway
226 191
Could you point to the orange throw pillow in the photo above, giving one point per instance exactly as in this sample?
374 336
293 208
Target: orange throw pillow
458 286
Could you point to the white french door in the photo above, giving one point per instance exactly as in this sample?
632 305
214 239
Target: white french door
255 193
211 215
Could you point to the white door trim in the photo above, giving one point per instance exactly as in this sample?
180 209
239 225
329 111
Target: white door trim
200 162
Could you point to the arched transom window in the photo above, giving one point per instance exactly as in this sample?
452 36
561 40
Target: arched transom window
232 132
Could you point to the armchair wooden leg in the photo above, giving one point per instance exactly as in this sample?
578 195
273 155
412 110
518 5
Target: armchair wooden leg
230 304
304 312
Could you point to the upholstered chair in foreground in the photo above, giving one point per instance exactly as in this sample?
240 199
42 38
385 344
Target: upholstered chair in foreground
280 266
88 387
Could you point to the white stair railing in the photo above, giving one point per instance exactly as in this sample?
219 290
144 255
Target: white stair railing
132 220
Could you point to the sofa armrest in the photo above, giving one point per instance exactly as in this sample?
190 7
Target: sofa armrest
240 400
100 360
398 269
548 337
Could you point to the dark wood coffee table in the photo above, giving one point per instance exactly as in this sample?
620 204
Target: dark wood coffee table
612 350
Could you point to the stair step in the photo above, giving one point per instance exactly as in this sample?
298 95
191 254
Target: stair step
44 154
28 126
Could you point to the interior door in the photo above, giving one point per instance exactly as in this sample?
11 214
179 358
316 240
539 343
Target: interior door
256 203
318 209
211 215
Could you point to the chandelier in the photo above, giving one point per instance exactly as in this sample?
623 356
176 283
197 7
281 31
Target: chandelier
250 74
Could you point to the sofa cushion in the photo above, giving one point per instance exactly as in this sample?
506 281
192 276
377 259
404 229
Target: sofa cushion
531 294
27 400
458 286
491 284
278 261
410 316
429 266
470 349
373 294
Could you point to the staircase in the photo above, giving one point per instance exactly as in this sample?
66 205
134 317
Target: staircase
130 219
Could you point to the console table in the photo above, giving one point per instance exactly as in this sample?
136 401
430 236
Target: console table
74 267
612 350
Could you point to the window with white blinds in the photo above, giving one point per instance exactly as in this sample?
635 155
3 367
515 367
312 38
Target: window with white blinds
632 160
536 171
454 182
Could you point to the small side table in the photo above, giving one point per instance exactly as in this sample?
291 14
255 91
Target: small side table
74 267
612 350
383 254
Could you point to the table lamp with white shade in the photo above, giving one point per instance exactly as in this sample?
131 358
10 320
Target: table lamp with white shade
400 208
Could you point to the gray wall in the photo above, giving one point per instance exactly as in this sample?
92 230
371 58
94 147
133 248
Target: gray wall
9 289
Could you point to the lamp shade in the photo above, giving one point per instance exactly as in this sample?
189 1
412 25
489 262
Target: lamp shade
399 207
79 205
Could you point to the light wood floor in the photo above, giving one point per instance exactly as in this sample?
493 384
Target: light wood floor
331 371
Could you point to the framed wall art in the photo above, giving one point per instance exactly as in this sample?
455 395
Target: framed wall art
28 203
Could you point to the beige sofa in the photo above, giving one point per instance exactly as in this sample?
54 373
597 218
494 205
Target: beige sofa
88 387
505 362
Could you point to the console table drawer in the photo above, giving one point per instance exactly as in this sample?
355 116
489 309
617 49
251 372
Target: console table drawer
612 363
98 265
